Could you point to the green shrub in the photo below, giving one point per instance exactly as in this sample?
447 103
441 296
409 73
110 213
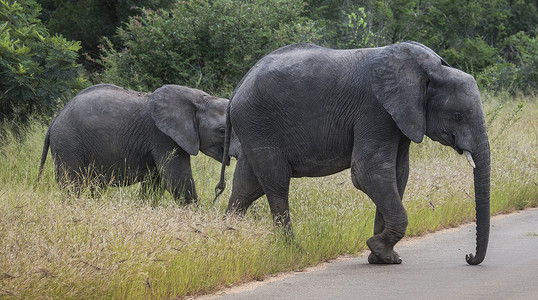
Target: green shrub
208 45
472 55
498 77
38 70
526 58
518 71
89 20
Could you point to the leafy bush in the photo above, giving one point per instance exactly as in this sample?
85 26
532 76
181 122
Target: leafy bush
518 71
494 40
355 34
38 71
89 20
471 55
498 77
204 44
526 58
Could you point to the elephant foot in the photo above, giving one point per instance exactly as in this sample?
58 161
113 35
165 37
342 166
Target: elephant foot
381 254
374 260
189 199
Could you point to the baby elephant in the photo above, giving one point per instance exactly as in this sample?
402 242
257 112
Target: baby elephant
118 136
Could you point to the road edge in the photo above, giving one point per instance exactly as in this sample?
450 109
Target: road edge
252 285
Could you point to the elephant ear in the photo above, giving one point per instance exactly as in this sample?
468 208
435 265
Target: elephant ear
173 109
400 77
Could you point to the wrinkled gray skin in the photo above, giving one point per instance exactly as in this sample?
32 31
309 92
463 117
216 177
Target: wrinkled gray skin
305 110
120 137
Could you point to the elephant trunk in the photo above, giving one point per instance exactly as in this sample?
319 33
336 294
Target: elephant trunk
482 197
225 156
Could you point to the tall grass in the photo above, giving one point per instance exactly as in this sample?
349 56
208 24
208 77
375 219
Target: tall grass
124 244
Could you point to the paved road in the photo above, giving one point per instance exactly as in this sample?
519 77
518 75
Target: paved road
432 268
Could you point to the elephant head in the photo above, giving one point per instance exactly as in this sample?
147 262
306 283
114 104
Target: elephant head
192 118
424 95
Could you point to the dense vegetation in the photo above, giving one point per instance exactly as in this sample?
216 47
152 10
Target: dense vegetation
90 21
203 45
494 40
210 45
38 70
122 243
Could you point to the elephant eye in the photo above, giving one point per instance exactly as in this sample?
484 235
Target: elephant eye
222 130
458 116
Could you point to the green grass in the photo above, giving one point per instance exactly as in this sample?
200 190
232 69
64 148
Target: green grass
126 245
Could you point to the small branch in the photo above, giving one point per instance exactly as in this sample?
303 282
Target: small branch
5 292
90 265
468 196
148 283
45 273
432 205
7 276
199 232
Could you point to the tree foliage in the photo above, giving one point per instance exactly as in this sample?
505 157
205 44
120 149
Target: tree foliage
204 44
212 44
38 70
90 20
491 39
519 71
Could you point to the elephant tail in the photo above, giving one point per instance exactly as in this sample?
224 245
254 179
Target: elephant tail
44 154
225 157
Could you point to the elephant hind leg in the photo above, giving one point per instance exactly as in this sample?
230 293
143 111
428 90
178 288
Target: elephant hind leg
71 179
273 173
246 188
151 186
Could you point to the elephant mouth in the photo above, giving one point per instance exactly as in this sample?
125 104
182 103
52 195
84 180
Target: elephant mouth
215 152
468 155
449 139
453 144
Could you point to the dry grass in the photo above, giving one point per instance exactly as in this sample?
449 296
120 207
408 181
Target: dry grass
123 245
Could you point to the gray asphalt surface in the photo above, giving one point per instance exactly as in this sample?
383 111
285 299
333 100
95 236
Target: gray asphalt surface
433 268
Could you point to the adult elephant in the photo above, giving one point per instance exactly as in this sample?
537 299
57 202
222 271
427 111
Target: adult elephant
118 136
305 110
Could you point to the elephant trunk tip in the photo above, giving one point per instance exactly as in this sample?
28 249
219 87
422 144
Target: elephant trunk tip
473 259
482 238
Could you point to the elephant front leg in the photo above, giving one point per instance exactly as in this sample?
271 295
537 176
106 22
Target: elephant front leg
402 174
381 186
379 226
394 221
177 177
183 186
